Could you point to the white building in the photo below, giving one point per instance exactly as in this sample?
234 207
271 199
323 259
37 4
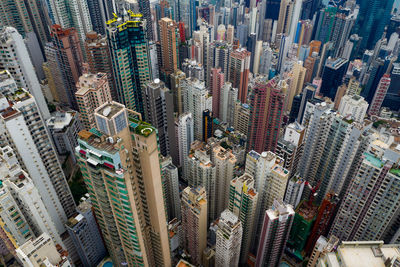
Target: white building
170 178
41 252
229 238
353 107
196 99
17 61
227 104
294 191
185 136
22 192
23 129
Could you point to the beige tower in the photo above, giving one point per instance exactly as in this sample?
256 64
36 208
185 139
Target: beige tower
285 16
194 222
93 90
169 45
296 87
121 167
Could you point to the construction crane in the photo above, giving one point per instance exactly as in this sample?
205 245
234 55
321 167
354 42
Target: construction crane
313 191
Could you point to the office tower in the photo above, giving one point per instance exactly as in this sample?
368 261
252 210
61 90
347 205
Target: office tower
194 222
98 58
170 179
266 111
158 111
241 117
144 9
86 235
201 171
371 193
379 95
41 251
65 59
225 162
266 59
35 152
321 248
296 85
229 97
239 68
19 193
97 16
217 79
229 237
242 202
64 128
122 156
332 76
93 90
185 136
270 182
127 42
373 16
322 222
193 69
20 66
207 124
196 99
169 46
275 233
392 99
353 107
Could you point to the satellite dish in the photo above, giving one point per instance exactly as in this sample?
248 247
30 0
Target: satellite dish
106 111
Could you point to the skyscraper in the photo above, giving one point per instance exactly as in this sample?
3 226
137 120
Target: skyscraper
332 76
266 104
64 56
274 235
130 58
36 152
242 202
229 97
93 90
121 165
144 8
229 237
379 95
98 58
216 83
239 69
194 222
20 66
169 174
185 136
169 47
158 111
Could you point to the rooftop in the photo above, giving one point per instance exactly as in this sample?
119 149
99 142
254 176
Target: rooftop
373 160
306 211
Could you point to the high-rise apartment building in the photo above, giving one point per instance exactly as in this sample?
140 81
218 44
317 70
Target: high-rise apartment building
242 202
194 222
379 95
217 79
18 63
296 87
321 248
86 236
23 211
130 58
93 90
25 17
371 193
23 128
229 237
266 113
98 58
169 174
64 57
185 136
169 47
353 107
196 99
144 8
158 111
275 233
332 76
270 179
285 16
239 69
121 165
229 96
241 117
